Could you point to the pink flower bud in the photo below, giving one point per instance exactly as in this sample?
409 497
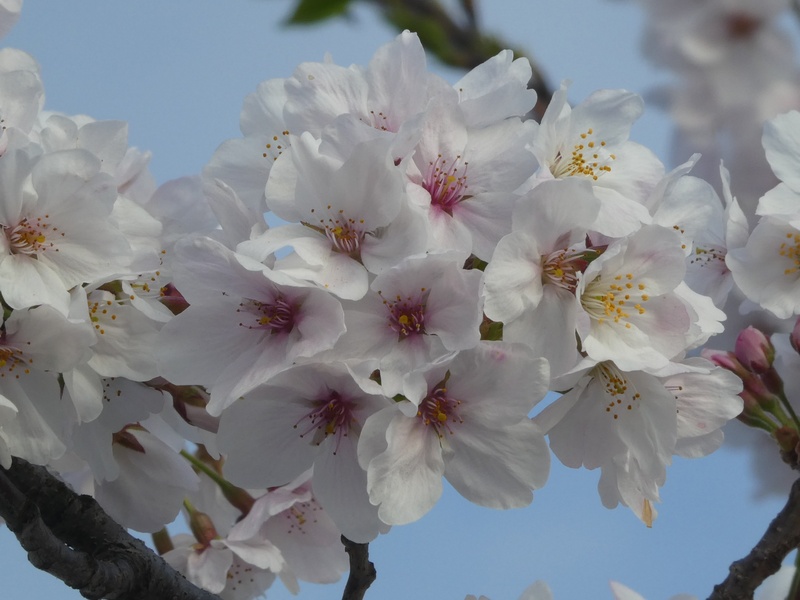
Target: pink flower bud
726 360
754 350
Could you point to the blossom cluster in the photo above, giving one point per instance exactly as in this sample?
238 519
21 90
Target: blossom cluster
732 68
369 292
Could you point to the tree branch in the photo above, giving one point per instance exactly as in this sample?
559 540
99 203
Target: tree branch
362 571
782 536
72 538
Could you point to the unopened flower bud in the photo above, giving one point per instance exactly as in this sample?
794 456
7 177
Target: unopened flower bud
726 360
754 350
753 414
202 527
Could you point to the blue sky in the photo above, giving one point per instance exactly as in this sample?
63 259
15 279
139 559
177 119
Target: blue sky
178 71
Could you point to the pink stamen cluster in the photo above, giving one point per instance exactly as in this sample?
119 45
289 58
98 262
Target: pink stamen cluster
332 415
276 316
444 183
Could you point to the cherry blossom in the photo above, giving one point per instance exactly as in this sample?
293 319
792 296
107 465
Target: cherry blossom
471 427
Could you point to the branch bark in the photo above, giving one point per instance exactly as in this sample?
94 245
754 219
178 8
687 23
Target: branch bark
782 536
72 538
362 571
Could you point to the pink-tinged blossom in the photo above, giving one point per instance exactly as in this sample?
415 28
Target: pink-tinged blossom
496 90
531 279
240 308
471 427
465 178
244 164
414 314
35 346
392 89
630 308
123 402
705 402
630 424
220 565
153 480
349 218
56 229
610 412
309 415
206 565
309 541
767 268
707 271
622 481
590 141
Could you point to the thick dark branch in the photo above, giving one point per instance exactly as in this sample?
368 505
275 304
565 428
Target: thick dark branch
72 538
362 571
455 44
782 536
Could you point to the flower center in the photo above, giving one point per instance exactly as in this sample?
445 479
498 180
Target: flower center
378 120
621 395
407 315
101 310
562 267
440 411
30 236
710 256
345 235
332 415
790 250
275 317
616 301
444 183
13 362
298 517
589 158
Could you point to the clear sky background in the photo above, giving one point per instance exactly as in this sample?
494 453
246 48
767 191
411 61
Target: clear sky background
178 70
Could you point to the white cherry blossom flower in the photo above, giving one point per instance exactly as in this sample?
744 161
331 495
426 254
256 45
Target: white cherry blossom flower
629 309
35 346
153 480
591 141
767 268
465 178
414 314
349 218
56 229
472 427
309 415
240 308
531 279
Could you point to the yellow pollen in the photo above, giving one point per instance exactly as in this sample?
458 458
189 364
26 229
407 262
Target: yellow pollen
791 251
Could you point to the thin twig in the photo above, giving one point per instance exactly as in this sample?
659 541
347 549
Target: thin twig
362 571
